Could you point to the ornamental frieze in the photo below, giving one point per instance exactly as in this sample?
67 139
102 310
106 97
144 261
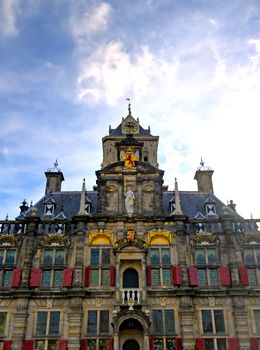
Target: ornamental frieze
101 237
251 238
159 236
206 238
10 240
55 240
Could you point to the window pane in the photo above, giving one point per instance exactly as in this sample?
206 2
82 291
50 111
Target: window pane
257 320
157 322
52 345
10 256
7 279
158 344
207 321
57 281
155 277
200 257
252 276
91 344
54 323
94 277
166 257
92 322
47 258
219 321
209 344
212 256
59 257
213 277
202 277
94 258
249 257
1 256
105 257
2 323
46 278
154 256
221 344
105 277
39 345
170 344
103 344
41 323
167 276
169 322
257 253
104 322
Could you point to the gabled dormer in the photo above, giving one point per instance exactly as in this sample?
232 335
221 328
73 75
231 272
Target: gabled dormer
49 206
210 206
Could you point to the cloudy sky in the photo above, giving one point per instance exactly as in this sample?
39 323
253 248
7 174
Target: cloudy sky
190 67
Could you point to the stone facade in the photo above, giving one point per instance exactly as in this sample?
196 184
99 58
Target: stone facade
89 270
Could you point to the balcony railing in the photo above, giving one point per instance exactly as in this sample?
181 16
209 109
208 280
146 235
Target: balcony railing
132 295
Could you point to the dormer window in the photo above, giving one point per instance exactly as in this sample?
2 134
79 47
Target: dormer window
210 209
49 209
87 208
172 208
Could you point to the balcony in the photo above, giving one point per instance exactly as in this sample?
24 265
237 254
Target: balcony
131 295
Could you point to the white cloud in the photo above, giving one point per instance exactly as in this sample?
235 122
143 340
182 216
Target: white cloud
8 14
85 21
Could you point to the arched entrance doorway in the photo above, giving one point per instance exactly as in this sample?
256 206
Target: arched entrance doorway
131 344
131 335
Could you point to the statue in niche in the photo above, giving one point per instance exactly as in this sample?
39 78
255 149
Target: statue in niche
129 202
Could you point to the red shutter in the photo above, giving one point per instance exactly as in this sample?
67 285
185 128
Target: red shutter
83 344
67 277
35 278
63 344
112 276
87 276
111 343
7 344
233 344
254 343
149 275
199 344
243 275
193 276
151 344
176 275
28 345
178 344
16 278
224 276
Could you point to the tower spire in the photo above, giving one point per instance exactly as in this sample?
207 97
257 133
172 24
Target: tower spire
83 199
178 210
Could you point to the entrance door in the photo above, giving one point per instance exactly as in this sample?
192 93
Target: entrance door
131 344
130 278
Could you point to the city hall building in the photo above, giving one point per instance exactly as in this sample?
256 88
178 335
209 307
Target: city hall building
131 264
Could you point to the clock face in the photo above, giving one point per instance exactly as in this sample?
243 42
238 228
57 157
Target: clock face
130 127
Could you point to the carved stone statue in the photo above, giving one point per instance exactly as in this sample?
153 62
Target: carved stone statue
129 202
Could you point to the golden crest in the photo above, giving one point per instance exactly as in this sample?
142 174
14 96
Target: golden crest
129 158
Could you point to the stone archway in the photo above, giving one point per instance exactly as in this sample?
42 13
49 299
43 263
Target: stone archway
131 344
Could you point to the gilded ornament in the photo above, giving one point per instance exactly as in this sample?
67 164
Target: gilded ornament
251 238
7 240
55 240
205 238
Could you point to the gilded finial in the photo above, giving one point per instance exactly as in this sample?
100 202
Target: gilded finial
129 106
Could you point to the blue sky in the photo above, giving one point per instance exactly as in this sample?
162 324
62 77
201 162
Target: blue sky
191 69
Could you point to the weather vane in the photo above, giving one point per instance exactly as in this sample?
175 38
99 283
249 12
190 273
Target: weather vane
129 105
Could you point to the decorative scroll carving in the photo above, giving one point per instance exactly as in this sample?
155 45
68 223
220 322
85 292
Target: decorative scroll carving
160 236
204 239
101 237
122 243
9 240
55 240
251 238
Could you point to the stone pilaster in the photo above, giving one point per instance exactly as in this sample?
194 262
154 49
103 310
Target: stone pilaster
241 322
20 323
75 321
187 323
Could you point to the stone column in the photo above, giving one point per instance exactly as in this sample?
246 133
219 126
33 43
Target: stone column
143 280
116 342
241 322
187 323
146 340
75 322
20 326
118 293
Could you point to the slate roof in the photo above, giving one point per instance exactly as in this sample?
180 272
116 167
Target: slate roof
118 131
192 203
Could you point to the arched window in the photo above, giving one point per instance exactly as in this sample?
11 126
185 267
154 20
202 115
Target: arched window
130 278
